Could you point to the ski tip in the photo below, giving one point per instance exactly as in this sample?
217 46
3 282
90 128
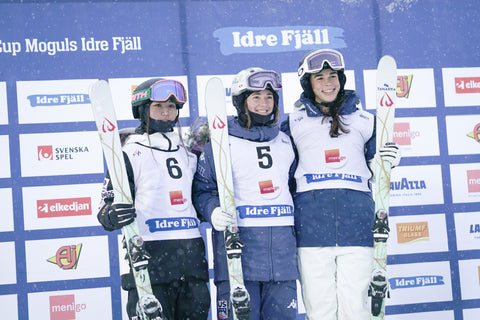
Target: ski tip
387 60
99 84
214 80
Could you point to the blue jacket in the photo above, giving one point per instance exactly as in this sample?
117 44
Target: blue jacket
269 253
333 217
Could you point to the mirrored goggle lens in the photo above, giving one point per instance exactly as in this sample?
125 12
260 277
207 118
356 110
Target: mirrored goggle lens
316 61
164 89
259 80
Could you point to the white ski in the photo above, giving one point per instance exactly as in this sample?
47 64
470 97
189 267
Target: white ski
218 127
148 307
386 96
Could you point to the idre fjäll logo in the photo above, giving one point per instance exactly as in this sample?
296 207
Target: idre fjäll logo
67 257
64 307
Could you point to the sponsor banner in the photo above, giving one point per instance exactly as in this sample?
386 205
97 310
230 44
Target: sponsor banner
461 86
122 89
54 101
81 304
465 181
6 214
9 303
291 88
434 315
9 269
463 134
417 234
64 206
416 185
4 157
3 103
67 258
467 230
471 314
417 136
469 278
63 153
419 283
415 88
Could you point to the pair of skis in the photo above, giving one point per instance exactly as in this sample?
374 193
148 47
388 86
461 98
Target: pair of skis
386 94
148 307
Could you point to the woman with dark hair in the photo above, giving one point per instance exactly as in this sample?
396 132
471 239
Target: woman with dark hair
334 209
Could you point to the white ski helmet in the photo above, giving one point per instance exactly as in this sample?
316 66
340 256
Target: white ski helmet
255 79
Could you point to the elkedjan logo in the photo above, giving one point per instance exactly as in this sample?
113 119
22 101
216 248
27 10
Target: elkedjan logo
467 85
67 207
67 257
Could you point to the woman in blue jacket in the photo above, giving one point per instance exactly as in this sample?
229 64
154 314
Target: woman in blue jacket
334 209
261 158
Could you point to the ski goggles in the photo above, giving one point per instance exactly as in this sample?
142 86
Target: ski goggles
315 61
260 79
162 90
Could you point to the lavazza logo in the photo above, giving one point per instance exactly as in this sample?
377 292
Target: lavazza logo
67 207
48 152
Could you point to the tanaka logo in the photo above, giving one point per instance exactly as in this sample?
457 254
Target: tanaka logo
412 232
64 307
404 83
59 153
67 207
467 85
414 282
405 184
67 257
403 135
267 187
333 155
475 134
45 153
48 100
176 198
473 180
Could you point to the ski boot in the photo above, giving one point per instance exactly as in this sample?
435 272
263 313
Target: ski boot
378 290
380 227
241 303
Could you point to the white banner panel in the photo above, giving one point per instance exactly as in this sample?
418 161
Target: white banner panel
416 185
82 304
67 258
65 206
417 234
415 88
4 157
434 315
465 179
469 278
461 86
6 214
419 283
471 314
54 101
47 154
9 305
417 136
467 230
463 134
3 103
9 269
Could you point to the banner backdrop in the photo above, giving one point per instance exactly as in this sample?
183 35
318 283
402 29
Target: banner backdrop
59 263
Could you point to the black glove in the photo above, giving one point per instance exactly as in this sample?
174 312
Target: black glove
121 214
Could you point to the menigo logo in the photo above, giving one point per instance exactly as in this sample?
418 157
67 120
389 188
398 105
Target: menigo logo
267 187
403 135
414 282
333 156
59 153
176 197
473 180
467 85
64 307
67 257
404 84
66 207
411 232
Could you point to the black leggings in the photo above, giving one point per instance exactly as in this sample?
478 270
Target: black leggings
180 300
